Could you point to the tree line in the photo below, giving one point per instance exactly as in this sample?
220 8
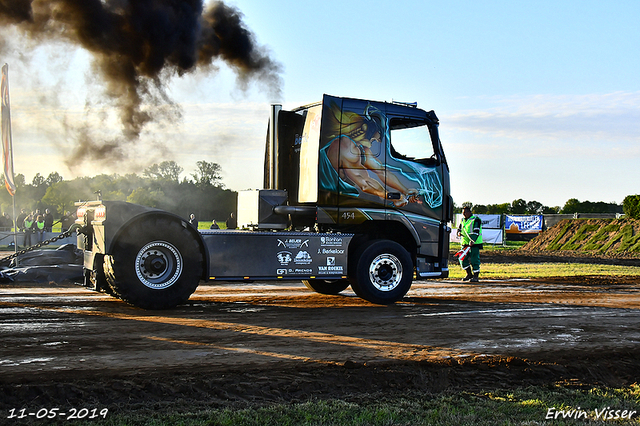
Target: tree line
203 194
521 206
160 186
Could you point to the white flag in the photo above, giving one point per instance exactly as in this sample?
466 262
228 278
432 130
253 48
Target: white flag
7 144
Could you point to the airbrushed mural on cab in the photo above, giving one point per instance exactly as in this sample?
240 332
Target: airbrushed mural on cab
358 166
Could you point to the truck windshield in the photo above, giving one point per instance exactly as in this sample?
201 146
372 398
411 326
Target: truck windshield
411 140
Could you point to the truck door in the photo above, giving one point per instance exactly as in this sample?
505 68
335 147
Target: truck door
414 170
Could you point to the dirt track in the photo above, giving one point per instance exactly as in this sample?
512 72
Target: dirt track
258 343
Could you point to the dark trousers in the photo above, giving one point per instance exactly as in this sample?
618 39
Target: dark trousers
472 260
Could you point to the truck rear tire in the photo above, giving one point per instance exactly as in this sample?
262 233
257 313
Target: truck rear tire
156 265
383 272
331 287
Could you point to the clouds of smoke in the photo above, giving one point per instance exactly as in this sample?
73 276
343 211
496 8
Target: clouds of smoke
137 45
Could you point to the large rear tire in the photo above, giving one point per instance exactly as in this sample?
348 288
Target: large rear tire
156 265
331 287
383 272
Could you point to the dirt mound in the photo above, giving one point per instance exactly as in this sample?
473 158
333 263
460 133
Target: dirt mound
618 238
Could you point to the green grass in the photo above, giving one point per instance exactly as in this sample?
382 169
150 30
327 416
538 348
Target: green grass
507 245
538 270
203 224
525 406
541 270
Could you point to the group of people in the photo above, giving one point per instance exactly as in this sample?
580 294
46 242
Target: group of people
231 222
34 224
6 223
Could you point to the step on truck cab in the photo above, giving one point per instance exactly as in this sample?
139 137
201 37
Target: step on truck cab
356 193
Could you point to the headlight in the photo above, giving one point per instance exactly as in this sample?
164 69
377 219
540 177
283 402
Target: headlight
82 210
100 213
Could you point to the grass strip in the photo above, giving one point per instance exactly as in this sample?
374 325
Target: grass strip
541 270
553 404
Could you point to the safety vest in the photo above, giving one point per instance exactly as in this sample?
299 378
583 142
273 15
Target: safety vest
40 225
467 228
28 224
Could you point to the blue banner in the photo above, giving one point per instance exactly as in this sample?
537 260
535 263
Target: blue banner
523 224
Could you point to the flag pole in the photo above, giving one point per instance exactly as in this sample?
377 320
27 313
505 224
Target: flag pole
15 227
7 149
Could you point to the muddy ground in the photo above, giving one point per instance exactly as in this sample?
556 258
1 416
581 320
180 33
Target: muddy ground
241 345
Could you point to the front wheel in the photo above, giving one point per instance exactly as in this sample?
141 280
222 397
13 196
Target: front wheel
331 287
157 265
383 272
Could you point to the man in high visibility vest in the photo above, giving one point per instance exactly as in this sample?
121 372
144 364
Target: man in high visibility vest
470 231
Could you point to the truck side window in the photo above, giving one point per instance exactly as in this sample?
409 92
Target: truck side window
410 140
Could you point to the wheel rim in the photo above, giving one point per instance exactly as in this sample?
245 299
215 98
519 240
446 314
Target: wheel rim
158 265
385 272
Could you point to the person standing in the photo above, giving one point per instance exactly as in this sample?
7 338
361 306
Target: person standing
48 221
193 220
8 221
20 220
27 226
39 228
66 221
5 222
470 231
232 223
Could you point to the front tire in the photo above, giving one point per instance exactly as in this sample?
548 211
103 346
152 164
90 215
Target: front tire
331 287
156 265
383 272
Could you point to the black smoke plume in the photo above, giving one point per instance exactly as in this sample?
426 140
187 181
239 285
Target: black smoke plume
136 46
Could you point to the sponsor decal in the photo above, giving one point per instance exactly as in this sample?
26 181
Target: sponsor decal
303 258
284 257
331 267
293 243
294 271
328 241
331 251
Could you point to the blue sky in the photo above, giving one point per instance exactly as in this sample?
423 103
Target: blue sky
536 100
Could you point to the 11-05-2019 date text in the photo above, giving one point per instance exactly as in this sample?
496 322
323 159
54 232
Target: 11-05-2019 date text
52 413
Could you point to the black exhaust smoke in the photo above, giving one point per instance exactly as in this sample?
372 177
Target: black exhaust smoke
137 45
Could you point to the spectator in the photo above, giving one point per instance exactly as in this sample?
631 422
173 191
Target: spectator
214 225
67 220
5 222
27 226
20 220
39 227
8 220
193 220
232 223
48 221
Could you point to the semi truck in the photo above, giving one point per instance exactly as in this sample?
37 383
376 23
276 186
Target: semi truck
355 193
